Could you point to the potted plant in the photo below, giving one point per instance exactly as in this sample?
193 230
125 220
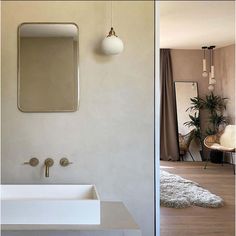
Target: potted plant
196 106
215 105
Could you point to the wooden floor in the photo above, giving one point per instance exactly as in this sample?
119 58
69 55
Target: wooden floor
197 220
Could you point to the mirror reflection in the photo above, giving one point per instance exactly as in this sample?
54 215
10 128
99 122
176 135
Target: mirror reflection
187 120
47 67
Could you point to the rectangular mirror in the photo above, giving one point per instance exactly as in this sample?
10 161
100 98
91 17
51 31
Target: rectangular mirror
48 67
184 91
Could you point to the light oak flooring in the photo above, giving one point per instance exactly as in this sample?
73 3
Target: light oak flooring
197 220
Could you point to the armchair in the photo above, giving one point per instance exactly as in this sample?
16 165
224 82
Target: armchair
224 141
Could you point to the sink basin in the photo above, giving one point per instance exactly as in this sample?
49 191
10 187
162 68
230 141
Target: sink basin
50 204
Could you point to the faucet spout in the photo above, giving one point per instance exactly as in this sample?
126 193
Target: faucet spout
47 171
48 163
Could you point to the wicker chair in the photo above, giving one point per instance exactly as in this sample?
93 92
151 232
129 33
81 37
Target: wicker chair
215 142
184 143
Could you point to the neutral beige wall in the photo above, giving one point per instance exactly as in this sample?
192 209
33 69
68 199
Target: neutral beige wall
187 66
225 74
110 137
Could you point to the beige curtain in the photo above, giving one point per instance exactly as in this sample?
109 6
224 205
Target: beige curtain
168 137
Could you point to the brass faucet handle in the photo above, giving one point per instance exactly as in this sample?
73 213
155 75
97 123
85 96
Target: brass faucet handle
65 162
32 162
49 162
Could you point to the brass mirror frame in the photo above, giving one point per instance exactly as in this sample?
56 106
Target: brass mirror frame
76 86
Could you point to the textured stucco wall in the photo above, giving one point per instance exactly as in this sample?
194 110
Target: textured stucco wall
110 138
225 76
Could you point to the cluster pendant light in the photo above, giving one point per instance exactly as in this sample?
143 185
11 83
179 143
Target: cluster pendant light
204 69
211 74
112 44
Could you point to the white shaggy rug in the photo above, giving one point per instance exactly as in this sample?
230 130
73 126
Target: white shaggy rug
177 192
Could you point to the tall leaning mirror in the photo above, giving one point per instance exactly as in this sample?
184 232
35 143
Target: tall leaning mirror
189 145
48 67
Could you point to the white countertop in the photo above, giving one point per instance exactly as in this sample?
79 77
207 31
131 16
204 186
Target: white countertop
114 216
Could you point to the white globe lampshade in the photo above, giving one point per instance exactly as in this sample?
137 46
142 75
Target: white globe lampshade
213 81
112 44
211 87
204 74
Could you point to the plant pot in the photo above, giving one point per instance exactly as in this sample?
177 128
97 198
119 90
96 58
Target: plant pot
216 156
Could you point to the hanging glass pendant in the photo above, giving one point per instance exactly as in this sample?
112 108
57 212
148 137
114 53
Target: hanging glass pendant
112 44
204 66
212 80
211 87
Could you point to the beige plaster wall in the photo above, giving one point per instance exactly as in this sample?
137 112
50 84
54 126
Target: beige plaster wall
187 66
225 74
110 138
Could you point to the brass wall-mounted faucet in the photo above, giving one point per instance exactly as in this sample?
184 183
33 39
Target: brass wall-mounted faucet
65 162
48 163
32 162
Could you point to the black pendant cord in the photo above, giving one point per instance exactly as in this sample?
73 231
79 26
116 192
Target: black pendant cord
211 55
204 51
210 59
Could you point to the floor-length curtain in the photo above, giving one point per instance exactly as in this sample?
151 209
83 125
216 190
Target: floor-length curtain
168 137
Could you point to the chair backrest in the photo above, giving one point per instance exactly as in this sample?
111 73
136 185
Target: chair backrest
228 137
188 137
185 140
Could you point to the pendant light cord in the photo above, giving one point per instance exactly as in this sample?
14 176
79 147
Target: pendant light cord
212 60
111 15
210 64
211 56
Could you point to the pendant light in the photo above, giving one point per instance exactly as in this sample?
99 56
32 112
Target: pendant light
112 44
212 80
211 87
204 70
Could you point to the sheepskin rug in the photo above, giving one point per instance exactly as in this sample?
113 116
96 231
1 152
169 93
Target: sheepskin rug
177 192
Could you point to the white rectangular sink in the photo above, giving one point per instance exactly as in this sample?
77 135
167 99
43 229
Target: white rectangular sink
50 204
